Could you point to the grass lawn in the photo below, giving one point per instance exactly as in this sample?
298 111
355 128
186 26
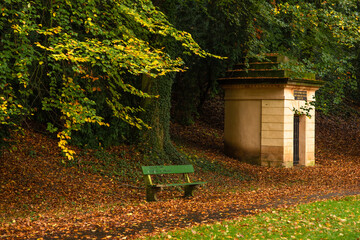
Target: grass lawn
332 219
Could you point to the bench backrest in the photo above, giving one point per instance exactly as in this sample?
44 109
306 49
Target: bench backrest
171 169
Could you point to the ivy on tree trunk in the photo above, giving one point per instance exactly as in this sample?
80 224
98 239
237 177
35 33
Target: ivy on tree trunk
156 140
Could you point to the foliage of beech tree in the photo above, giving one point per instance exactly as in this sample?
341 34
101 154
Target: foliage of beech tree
60 59
320 36
323 36
89 69
225 27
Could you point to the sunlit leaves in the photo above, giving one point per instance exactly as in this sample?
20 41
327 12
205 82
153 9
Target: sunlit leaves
62 52
161 26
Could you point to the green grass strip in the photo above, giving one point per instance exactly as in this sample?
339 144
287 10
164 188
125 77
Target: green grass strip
332 219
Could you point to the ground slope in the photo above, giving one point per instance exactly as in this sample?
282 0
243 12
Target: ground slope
41 197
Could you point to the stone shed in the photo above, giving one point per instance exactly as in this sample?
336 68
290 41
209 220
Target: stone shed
264 120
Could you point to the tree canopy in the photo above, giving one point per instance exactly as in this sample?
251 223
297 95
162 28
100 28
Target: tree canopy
59 56
73 65
323 36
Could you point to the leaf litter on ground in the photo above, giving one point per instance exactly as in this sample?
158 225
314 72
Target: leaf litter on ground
43 198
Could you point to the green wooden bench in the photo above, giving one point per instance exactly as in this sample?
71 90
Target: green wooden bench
152 189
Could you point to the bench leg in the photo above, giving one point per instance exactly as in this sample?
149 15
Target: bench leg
189 190
151 193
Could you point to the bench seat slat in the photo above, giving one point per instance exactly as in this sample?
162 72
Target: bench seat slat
171 169
177 184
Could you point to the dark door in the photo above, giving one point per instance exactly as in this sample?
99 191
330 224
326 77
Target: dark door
296 139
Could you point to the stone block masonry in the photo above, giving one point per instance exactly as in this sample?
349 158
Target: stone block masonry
259 115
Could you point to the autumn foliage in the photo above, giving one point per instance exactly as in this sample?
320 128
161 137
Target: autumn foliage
60 59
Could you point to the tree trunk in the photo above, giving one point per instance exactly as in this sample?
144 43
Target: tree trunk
156 141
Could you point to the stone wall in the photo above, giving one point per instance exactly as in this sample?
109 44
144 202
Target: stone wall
259 122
